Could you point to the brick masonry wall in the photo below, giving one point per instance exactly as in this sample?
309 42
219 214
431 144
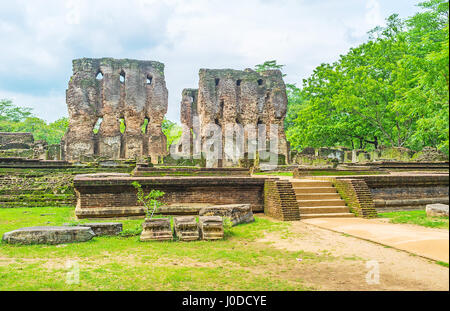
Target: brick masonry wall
118 193
280 201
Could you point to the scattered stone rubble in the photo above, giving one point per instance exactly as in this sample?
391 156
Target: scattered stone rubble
156 229
211 227
437 210
49 235
186 228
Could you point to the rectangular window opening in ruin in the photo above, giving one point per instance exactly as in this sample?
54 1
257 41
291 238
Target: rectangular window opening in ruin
97 125
123 126
149 80
144 126
99 75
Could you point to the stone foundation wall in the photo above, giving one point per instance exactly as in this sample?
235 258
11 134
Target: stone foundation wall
115 196
35 183
16 140
189 171
403 192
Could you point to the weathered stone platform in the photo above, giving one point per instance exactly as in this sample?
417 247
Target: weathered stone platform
49 235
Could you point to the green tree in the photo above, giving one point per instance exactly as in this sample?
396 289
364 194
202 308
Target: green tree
172 131
18 119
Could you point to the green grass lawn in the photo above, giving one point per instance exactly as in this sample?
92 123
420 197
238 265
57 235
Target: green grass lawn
238 262
417 218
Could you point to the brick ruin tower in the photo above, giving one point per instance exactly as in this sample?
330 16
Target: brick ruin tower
227 97
116 108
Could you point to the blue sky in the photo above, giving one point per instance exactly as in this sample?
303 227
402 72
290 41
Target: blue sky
39 39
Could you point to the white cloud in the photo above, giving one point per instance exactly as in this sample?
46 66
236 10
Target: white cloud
40 38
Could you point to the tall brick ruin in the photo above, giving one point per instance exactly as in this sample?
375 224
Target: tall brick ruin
105 92
227 97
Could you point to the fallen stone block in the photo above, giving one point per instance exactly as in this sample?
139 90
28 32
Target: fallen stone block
211 227
156 229
186 228
237 213
434 210
49 235
104 228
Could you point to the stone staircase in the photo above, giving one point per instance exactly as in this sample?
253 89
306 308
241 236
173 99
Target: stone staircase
318 199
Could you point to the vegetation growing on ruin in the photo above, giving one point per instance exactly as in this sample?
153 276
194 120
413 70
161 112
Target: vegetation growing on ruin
392 90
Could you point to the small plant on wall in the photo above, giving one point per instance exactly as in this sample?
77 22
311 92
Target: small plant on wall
150 200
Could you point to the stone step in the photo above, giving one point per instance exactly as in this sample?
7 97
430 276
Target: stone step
317 196
300 190
323 209
309 184
312 203
330 215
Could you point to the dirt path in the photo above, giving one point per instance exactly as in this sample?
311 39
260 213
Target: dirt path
398 270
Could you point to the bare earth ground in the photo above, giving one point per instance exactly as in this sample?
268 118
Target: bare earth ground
399 270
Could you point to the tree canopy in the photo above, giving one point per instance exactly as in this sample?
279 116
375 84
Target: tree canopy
389 91
18 119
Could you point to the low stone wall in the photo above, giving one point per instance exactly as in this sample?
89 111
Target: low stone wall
115 196
303 172
403 192
189 171
32 163
16 140
25 183
402 165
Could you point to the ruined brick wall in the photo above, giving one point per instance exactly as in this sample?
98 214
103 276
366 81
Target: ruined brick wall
229 97
188 116
107 90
